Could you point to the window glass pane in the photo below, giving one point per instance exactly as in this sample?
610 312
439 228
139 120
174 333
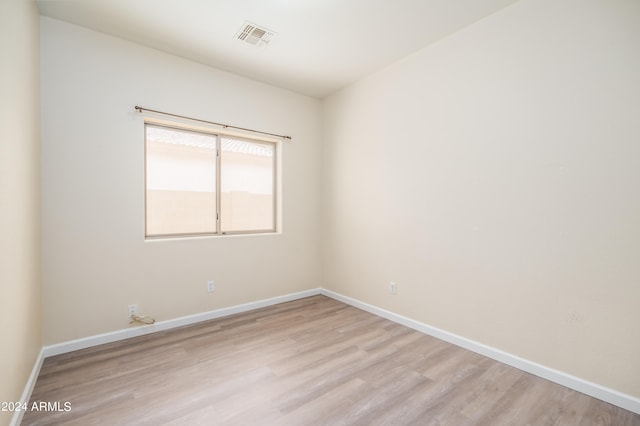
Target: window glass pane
180 181
247 179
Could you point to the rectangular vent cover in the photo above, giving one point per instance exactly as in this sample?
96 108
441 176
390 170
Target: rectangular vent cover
254 34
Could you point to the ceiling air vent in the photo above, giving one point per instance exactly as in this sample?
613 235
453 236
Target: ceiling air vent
254 34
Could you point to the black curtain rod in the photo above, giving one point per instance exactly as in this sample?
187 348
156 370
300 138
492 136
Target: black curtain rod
225 126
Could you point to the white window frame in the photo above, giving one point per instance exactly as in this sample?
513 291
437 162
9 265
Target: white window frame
218 134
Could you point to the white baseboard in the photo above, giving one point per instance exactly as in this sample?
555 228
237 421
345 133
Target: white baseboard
28 389
603 393
87 342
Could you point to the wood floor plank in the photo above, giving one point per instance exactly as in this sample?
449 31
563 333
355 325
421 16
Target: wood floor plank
313 361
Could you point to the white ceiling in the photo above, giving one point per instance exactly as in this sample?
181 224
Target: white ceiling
320 46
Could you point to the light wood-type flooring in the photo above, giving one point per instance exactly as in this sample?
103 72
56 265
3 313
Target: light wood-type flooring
313 361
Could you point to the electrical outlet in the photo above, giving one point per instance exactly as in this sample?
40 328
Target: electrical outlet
133 310
211 286
393 288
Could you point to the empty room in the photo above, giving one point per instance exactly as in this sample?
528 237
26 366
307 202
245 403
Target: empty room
320 212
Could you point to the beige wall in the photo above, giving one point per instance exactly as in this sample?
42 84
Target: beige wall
494 176
20 320
95 259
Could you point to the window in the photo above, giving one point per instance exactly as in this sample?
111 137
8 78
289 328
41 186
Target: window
199 183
